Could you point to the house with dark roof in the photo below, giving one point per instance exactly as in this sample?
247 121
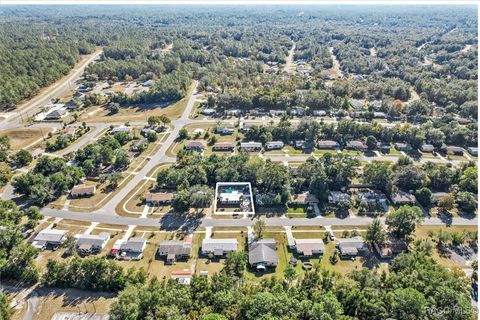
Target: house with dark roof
400 146
356 145
455 150
336 197
390 248
197 146
327 144
56 114
174 250
262 254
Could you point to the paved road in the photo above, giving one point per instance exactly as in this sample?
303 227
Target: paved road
172 221
157 158
84 139
288 64
53 92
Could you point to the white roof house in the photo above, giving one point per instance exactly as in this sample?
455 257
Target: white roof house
121 129
274 145
309 247
219 247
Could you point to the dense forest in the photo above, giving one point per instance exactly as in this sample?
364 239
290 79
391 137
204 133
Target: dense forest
227 49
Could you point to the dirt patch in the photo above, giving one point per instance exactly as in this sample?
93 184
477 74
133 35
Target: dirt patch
24 137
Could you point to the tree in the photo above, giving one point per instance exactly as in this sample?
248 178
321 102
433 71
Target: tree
445 204
182 134
235 264
371 143
290 273
424 196
200 196
5 173
408 304
22 157
409 178
5 312
402 222
379 174
327 307
70 246
259 228
466 202
214 316
114 179
375 233
181 201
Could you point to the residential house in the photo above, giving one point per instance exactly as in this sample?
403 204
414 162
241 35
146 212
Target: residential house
225 129
351 247
56 114
83 190
436 196
121 129
148 83
174 250
390 248
400 146
301 144
234 112
274 145
158 198
138 145
356 145
327 144
262 254
473 151
276 113
377 200
305 198
208 111
357 104
250 146
219 247
336 197
402 198
455 150
309 247
131 249
49 239
379 115
196 145
427 148
319 113
223 146
91 243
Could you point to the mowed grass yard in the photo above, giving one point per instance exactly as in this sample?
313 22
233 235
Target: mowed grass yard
138 113
23 137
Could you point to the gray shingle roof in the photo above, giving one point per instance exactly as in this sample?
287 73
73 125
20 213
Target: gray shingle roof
263 250
174 247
